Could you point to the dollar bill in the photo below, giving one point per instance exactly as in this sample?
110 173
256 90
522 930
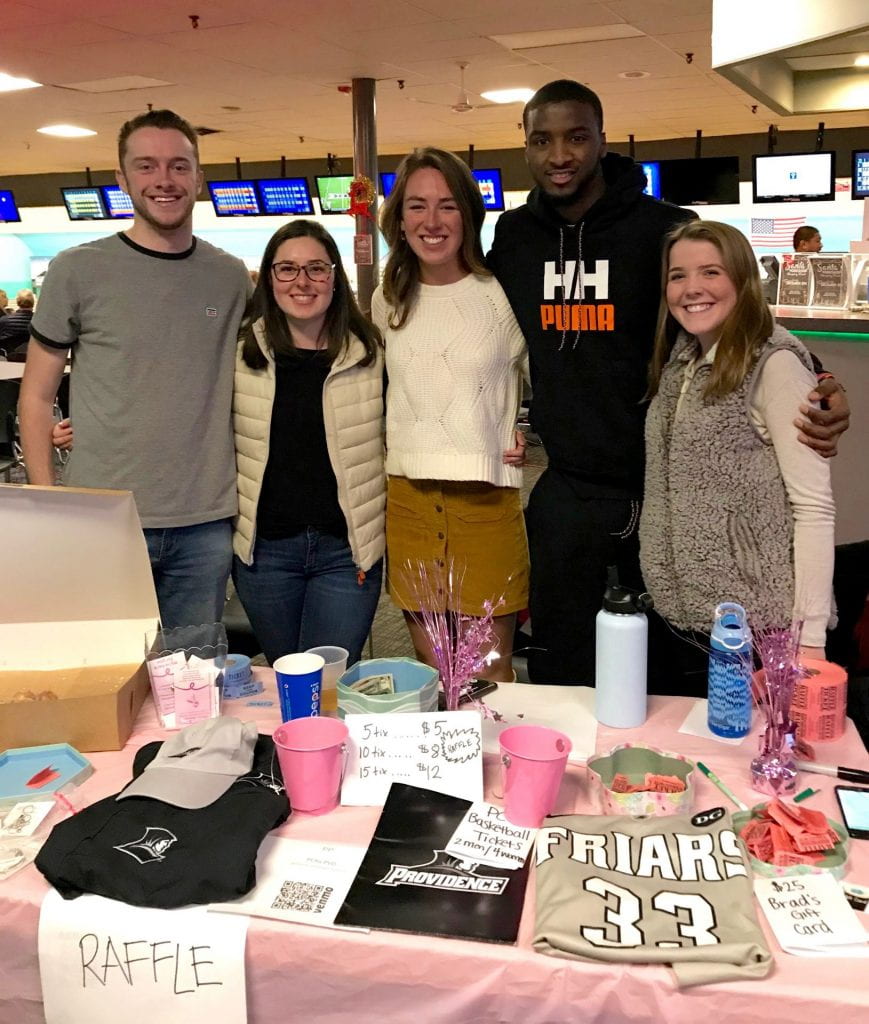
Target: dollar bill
375 686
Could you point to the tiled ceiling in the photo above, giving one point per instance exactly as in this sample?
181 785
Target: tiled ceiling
266 73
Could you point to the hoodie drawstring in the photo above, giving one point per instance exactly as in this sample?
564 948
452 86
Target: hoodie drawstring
566 293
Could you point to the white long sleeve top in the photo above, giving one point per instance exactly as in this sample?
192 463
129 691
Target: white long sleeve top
455 374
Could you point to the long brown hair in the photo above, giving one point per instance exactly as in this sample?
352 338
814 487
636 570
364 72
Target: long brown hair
401 276
343 316
747 325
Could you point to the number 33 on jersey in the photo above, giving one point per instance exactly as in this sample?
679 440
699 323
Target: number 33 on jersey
671 890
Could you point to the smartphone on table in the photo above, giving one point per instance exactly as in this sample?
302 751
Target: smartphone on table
854 805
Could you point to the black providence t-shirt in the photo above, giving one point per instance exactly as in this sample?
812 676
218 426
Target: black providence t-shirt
150 854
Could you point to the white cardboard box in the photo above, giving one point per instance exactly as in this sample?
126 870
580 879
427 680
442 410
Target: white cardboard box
76 597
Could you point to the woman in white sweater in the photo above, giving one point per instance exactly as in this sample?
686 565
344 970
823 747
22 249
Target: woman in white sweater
455 359
308 421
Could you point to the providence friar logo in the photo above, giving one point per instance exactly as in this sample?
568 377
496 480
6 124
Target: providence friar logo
151 847
445 871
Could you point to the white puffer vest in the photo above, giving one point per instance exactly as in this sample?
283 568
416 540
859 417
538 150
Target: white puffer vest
353 416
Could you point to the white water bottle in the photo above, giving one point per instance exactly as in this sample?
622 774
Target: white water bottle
621 655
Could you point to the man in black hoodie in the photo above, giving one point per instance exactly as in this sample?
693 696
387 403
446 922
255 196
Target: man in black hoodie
581 265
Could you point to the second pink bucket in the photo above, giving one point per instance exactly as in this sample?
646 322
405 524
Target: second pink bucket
533 759
311 754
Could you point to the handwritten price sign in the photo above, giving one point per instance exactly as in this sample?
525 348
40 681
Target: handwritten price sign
437 751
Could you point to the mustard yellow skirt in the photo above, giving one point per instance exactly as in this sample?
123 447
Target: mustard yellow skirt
477 528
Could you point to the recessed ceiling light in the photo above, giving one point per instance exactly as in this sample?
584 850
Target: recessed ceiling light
634 74
508 95
9 83
862 61
65 131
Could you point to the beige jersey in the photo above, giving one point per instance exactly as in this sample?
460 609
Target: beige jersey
669 890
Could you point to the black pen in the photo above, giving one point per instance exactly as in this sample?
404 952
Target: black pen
848 774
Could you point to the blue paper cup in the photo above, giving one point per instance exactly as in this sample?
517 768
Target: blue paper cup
299 678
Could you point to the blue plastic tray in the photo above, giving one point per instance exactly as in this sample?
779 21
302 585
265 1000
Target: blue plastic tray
19 765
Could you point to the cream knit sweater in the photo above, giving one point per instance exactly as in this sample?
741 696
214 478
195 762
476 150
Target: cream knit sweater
455 381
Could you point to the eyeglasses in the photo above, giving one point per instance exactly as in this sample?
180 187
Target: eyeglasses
316 270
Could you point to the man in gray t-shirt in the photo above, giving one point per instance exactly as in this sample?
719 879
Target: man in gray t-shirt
150 317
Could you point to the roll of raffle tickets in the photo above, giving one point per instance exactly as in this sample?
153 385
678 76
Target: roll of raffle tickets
237 678
818 707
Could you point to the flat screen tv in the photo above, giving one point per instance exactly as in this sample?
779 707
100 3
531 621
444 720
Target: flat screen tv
700 182
84 203
8 209
794 177
387 182
116 201
333 191
234 198
284 197
489 183
860 174
652 171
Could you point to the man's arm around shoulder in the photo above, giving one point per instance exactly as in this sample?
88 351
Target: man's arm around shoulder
42 376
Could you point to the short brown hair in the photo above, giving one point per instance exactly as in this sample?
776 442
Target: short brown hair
165 119
401 276
747 326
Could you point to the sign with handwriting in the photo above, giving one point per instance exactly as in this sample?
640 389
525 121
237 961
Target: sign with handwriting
441 751
810 915
102 961
485 836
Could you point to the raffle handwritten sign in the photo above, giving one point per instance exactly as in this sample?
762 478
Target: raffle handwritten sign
810 916
102 961
441 752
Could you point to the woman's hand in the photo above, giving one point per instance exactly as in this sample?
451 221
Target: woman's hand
813 654
516 456
61 435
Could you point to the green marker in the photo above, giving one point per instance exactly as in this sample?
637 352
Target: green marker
806 793
713 778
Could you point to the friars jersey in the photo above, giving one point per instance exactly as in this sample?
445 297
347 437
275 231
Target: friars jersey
671 890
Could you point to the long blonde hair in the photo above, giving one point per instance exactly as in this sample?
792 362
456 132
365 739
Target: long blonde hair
401 275
747 325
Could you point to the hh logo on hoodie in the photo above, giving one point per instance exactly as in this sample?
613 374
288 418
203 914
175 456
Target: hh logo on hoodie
573 288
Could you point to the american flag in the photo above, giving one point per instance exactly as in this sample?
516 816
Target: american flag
775 232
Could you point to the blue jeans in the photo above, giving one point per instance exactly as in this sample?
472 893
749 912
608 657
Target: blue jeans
303 591
190 566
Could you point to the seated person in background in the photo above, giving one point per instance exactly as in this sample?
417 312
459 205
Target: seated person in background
4 302
735 507
807 239
15 328
308 420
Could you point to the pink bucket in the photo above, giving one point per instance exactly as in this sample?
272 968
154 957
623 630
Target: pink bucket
311 755
533 759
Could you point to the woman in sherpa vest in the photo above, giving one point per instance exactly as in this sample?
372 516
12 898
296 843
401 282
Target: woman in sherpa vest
735 508
455 358
308 420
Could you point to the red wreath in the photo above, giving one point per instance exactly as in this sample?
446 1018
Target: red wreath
361 196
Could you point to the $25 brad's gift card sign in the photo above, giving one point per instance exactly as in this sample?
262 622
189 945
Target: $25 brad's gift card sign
437 751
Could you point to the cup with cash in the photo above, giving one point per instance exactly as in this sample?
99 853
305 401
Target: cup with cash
387 685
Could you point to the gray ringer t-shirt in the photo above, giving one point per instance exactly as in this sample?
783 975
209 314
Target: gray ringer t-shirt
153 339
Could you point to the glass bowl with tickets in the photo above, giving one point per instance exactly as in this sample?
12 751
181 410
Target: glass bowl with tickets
387 685
785 838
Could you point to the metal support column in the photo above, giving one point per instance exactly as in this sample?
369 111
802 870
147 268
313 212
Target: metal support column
365 162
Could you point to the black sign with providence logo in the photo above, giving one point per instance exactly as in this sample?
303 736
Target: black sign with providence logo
407 883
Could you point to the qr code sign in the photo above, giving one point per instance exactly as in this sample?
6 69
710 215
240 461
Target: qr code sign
303 897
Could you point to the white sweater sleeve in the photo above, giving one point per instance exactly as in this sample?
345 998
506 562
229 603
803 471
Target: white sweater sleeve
783 384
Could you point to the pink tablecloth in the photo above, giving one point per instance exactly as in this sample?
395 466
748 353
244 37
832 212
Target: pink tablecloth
297 973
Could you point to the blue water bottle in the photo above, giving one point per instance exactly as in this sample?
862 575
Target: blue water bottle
730 672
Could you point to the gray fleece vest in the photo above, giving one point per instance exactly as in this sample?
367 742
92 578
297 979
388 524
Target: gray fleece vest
717 524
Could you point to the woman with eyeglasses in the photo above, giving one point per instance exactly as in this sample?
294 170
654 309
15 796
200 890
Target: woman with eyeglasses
308 421
455 359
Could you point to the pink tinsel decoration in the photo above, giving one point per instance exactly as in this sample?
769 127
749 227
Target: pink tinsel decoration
461 643
773 770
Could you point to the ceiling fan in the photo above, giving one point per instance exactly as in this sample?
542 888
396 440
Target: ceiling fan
462 103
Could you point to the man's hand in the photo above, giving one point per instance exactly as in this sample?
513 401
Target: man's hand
61 435
821 428
516 456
